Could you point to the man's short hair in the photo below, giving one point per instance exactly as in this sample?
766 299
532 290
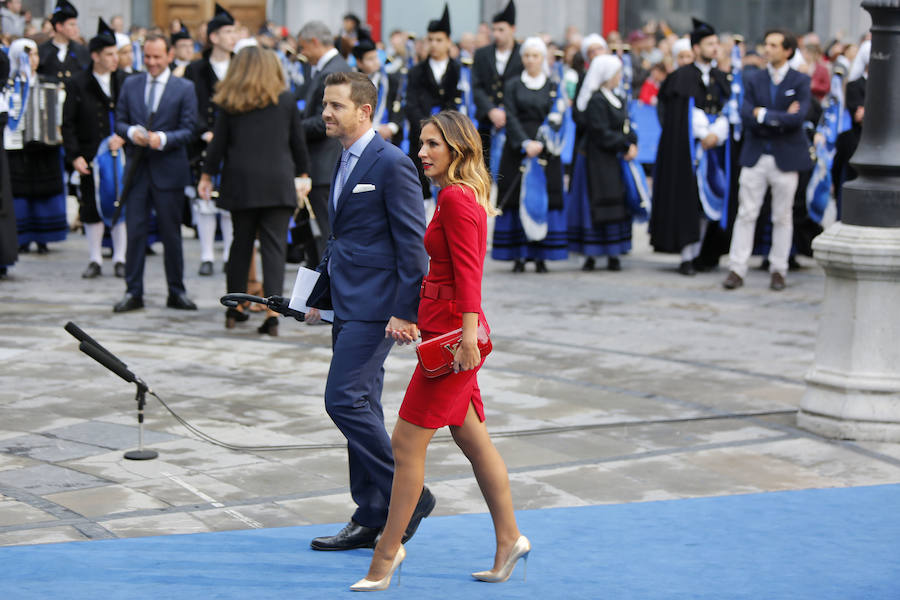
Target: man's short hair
789 40
317 30
156 36
362 90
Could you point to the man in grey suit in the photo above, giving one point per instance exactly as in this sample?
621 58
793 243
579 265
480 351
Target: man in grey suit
317 45
156 113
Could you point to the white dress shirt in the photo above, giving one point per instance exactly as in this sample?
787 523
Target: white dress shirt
501 58
161 82
104 81
324 61
438 68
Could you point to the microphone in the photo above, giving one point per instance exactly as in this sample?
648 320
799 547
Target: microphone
81 336
110 362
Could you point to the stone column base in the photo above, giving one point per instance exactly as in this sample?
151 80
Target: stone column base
853 389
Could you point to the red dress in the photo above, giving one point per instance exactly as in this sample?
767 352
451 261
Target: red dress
456 242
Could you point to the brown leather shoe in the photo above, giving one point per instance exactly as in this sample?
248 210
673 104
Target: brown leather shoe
777 284
733 281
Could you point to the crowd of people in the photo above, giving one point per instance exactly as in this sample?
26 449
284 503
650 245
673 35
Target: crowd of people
328 149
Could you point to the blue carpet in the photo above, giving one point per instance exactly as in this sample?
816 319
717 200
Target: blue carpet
816 544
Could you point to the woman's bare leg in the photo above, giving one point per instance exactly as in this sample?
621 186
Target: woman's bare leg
409 443
490 472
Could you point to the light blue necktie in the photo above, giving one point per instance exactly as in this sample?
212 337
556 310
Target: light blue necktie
343 173
151 97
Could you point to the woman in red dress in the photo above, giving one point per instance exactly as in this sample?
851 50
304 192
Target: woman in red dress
456 241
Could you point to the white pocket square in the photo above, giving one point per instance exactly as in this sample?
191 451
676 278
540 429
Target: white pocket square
790 93
363 187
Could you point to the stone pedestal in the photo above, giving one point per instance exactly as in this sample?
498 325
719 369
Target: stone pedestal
853 390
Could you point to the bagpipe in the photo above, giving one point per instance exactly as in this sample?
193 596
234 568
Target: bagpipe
108 169
835 121
637 192
467 98
712 168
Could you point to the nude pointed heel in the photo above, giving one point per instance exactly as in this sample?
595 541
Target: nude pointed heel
367 585
520 549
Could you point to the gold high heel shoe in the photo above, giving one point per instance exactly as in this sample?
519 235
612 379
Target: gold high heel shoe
367 585
519 550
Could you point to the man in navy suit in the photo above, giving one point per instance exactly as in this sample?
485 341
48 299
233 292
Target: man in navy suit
157 114
375 260
776 101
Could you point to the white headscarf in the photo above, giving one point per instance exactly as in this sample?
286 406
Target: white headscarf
861 61
535 43
680 45
593 39
16 54
602 69
245 43
122 40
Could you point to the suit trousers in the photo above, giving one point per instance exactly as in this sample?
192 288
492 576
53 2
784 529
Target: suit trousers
168 205
753 183
319 197
353 401
271 224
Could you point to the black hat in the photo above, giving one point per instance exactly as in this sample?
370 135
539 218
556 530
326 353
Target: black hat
220 19
507 15
443 24
105 37
63 12
701 30
184 34
364 44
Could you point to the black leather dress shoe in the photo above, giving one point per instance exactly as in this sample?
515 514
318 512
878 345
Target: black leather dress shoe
119 270
180 301
92 271
129 302
350 537
687 268
206 268
423 508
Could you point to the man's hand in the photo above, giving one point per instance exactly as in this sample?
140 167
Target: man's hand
384 130
81 165
859 114
632 153
116 143
497 117
794 108
313 317
302 185
533 148
709 141
154 140
207 137
403 331
140 138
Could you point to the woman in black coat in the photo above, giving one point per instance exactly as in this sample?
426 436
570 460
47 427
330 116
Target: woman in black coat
597 202
259 148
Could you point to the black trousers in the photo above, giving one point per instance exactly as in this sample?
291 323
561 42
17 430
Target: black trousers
167 204
319 197
271 224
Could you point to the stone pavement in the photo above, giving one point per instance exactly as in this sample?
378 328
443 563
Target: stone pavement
602 388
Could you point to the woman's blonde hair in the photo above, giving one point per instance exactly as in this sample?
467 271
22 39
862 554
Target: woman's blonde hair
254 80
466 155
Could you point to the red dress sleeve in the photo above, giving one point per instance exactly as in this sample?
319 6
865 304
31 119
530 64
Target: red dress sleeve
461 224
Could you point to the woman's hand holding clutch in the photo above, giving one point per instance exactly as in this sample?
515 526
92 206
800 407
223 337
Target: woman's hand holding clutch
467 356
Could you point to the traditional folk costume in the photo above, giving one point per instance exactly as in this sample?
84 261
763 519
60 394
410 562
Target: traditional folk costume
530 190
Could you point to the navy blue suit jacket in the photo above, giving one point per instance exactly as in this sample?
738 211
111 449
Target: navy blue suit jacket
377 251
781 133
176 116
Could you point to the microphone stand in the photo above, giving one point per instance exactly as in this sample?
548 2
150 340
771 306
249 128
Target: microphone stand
109 360
279 304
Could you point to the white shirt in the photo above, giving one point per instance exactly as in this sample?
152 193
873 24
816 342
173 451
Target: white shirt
534 83
501 58
61 51
104 81
324 61
704 71
438 68
220 68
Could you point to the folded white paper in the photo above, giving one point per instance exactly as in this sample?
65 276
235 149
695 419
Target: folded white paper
303 286
363 187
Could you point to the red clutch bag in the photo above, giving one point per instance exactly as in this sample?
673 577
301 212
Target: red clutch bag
436 355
